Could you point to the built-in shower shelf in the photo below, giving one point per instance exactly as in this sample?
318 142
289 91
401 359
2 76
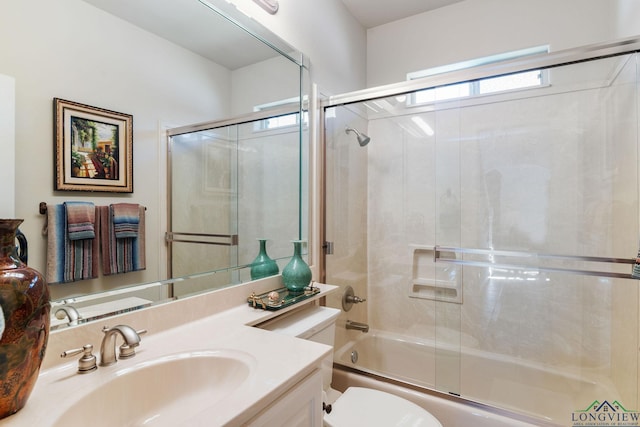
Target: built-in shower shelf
433 281
436 283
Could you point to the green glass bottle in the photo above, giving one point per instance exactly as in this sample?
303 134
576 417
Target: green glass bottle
296 275
263 266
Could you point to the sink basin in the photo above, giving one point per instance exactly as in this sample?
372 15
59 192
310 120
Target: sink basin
161 392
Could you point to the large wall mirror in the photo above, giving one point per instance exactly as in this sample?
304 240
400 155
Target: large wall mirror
220 138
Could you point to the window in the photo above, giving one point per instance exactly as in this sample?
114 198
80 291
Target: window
516 81
510 82
277 122
280 121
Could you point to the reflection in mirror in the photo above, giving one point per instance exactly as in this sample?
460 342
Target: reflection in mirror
230 186
242 178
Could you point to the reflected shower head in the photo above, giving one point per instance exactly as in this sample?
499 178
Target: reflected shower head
362 138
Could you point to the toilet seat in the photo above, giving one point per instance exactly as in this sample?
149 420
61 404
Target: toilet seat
360 406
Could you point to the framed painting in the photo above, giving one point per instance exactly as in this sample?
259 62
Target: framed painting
93 148
217 170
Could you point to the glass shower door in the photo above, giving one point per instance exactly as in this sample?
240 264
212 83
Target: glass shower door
549 214
380 219
204 206
230 186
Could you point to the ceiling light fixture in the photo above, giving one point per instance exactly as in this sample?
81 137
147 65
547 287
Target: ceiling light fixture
270 6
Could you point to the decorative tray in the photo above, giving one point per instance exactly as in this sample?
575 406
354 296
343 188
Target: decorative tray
280 298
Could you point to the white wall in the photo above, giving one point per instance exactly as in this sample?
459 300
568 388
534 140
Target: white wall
7 146
326 33
277 79
71 50
476 28
339 47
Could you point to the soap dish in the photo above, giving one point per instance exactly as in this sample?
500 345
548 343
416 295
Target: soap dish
280 298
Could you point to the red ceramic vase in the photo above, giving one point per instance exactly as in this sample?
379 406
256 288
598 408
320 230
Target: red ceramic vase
25 304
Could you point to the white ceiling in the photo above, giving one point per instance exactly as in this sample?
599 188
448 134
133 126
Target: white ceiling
371 13
191 25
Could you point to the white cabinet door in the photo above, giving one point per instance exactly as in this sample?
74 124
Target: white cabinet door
300 406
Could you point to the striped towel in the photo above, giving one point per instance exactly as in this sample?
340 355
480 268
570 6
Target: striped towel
126 219
81 218
121 255
68 260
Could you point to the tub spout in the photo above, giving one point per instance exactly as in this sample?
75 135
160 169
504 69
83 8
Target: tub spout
362 327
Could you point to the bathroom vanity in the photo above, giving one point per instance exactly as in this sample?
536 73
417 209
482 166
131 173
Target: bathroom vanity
200 363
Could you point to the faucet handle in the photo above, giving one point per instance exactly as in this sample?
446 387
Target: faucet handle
128 351
355 299
87 363
349 298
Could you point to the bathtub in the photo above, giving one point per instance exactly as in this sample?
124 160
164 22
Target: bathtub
495 390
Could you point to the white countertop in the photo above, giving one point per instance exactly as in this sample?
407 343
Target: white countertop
280 361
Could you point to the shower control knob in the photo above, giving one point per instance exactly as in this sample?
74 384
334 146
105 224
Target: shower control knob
349 298
355 299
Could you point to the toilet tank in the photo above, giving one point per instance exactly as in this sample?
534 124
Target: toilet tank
313 323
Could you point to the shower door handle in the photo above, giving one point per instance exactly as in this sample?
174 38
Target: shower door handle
536 256
201 238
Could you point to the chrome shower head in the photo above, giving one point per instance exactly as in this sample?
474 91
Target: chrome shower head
362 138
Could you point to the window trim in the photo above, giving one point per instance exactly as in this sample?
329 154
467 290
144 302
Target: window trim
474 85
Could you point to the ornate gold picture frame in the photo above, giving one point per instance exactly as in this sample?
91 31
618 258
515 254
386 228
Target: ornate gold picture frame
94 148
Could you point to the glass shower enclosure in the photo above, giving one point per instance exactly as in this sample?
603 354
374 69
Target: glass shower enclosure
493 232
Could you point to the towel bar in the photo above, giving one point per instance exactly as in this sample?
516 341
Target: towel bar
42 208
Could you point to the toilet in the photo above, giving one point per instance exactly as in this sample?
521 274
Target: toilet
357 405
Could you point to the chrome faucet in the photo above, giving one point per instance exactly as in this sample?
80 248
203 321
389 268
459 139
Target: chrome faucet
131 339
362 327
69 312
